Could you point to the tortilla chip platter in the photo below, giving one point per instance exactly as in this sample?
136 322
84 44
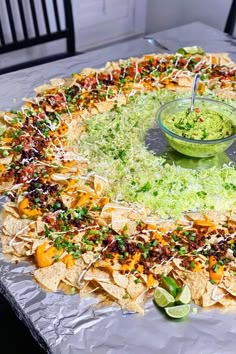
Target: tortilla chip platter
82 229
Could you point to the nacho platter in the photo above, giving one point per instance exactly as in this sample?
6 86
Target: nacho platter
89 243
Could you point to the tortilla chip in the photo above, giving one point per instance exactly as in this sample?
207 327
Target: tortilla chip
43 88
132 306
104 106
165 268
197 283
50 277
70 81
226 93
100 184
67 288
229 284
84 113
114 208
72 274
57 82
6 247
212 295
88 71
10 208
89 257
107 265
115 291
40 225
13 226
98 275
93 110
185 81
67 200
135 289
218 58
232 216
206 299
6 160
112 65
89 288
36 243
71 155
216 216
61 177
123 223
228 300
21 248
117 210
121 99
5 186
120 279
194 216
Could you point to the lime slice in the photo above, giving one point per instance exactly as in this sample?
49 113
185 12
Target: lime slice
184 297
163 298
191 50
169 284
194 50
178 311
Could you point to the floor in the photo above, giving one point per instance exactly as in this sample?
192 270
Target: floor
14 336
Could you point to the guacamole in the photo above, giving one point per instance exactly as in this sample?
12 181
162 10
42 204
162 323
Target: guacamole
200 124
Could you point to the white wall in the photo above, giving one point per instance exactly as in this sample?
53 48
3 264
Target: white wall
163 14
159 15
98 22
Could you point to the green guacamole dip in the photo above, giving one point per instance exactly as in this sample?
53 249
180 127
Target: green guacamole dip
200 124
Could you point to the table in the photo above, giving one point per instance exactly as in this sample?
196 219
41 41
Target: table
39 312
197 33
14 86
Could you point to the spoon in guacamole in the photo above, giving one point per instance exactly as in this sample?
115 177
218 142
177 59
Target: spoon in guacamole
194 89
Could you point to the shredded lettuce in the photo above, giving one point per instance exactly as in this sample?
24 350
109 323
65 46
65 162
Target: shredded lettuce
114 145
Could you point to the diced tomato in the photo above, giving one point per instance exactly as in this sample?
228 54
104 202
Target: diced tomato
57 99
155 62
51 218
110 239
90 83
182 62
26 173
104 77
116 74
41 116
25 141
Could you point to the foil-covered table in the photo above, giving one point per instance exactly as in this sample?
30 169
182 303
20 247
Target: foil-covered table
68 324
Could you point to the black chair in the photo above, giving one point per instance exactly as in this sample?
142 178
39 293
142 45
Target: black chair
231 19
27 9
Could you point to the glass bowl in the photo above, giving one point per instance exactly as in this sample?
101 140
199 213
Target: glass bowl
192 147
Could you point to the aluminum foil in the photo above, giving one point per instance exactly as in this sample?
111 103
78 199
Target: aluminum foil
67 324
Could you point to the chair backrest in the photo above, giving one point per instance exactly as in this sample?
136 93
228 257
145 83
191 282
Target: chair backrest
231 19
24 13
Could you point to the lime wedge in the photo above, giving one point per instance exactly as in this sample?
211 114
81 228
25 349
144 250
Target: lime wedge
178 311
169 284
163 298
184 297
194 50
191 50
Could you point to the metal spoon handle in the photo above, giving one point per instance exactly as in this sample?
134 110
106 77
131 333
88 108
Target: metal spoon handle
154 42
194 87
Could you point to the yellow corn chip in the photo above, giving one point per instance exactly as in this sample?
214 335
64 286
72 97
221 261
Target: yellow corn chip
50 277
